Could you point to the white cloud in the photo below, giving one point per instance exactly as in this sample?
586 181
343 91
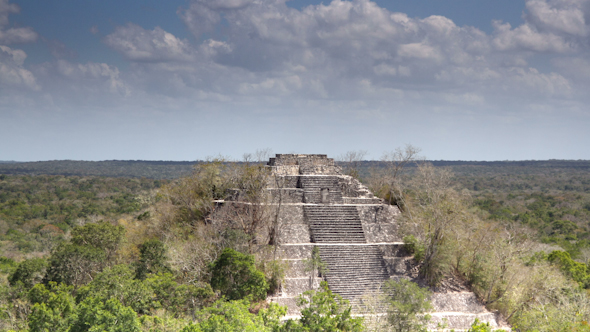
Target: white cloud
558 26
92 74
7 9
138 44
419 51
13 35
12 73
18 35
527 38
256 52
559 16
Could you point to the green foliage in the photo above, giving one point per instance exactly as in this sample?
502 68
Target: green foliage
161 323
228 316
324 311
179 299
274 270
192 197
414 247
93 247
272 316
152 259
73 264
564 227
7 265
575 270
102 235
236 276
54 309
96 315
118 283
478 326
315 266
191 327
29 272
407 303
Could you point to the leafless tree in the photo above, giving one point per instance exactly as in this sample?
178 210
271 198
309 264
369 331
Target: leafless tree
263 155
351 160
395 164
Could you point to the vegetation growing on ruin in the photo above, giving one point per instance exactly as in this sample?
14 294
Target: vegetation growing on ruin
136 254
512 267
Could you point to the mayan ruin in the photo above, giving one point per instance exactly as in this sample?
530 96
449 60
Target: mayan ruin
358 241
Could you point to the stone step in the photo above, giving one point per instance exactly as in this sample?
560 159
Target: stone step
350 239
342 229
353 270
358 268
334 224
332 208
465 302
325 181
339 235
315 197
459 320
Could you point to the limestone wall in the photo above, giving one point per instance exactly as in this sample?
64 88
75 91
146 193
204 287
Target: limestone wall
301 159
286 195
379 223
293 227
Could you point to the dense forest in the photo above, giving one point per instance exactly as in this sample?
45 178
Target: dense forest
136 246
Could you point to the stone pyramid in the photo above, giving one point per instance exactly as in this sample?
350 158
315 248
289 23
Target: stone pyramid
357 236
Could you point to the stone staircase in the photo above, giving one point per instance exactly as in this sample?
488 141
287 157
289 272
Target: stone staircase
354 267
354 271
319 181
458 310
359 242
314 184
334 224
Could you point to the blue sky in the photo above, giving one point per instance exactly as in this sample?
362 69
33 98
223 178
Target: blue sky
184 80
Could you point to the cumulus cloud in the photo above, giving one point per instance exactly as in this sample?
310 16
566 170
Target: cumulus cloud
138 44
7 9
12 73
342 44
13 35
17 35
528 38
92 74
255 51
558 26
559 16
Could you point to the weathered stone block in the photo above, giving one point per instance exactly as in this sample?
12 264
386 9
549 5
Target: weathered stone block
460 320
465 302
286 195
295 251
288 301
297 269
291 214
294 233
296 286
379 214
381 233
393 250
396 265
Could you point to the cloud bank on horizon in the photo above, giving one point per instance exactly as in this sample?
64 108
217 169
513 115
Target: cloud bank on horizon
326 78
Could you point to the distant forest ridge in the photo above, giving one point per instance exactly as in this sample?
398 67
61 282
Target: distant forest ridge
175 169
